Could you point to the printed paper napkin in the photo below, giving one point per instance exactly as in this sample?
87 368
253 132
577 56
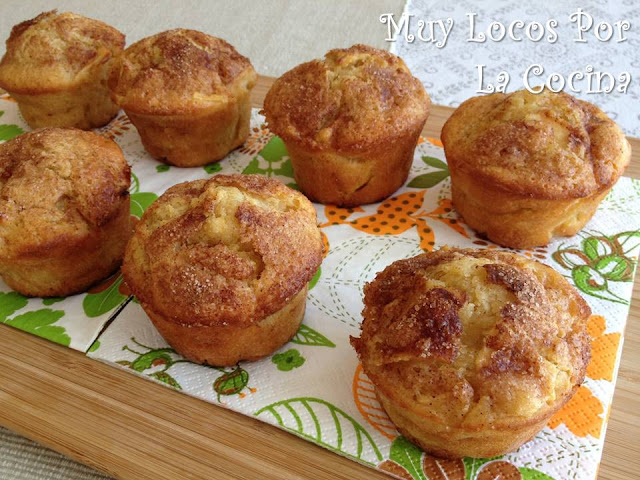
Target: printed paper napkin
313 386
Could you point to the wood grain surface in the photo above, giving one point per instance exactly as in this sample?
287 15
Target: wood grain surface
132 428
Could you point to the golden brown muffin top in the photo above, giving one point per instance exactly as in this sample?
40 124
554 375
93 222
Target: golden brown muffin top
54 51
177 71
547 145
229 250
353 100
473 336
57 185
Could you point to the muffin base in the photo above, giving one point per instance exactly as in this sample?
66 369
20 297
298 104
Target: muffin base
86 105
227 345
70 267
444 441
333 178
516 221
193 140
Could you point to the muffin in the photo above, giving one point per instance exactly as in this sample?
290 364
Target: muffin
64 211
350 123
527 167
187 93
472 351
222 266
56 66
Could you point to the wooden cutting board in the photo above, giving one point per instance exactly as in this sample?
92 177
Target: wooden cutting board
132 428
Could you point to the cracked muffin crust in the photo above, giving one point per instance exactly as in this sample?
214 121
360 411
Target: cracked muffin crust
350 123
64 210
56 66
472 351
526 167
187 93
221 266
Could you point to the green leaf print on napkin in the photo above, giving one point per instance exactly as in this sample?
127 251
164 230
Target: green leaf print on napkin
288 415
8 131
164 377
212 168
287 361
435 162
473 465
233 381
39 322
599 260
531 474
96 304
431 179
139 200
407 460
11 302
308 336
277 158
160 359
407 455
162 168
51 300
315 278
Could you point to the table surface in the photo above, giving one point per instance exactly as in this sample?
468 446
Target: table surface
130 427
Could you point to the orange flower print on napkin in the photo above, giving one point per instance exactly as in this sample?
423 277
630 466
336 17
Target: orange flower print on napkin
435 141
116 127
364 397
325 244
406 461
431 140
432 468
582 415
258 138
396 215
604 349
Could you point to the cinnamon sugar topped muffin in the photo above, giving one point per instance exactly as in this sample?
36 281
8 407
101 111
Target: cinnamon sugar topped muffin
187 93
56 66
351 100
64 210
472 351
350 123
221 266
526 167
